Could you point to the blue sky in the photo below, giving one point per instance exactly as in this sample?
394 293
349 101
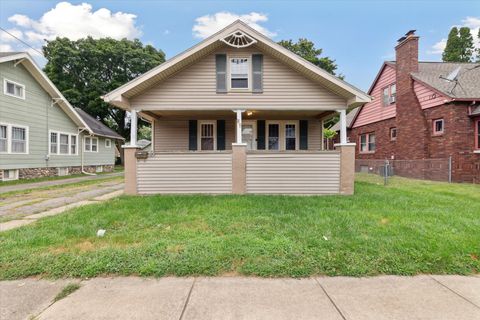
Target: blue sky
359 35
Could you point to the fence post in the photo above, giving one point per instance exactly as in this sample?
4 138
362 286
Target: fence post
450 169
385 173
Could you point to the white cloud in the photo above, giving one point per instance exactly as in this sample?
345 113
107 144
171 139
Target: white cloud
471 22
5 47
7 37
207 25
78 21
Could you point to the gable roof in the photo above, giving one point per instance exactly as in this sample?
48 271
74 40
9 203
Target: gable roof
350 119
26 60
98 127
119 97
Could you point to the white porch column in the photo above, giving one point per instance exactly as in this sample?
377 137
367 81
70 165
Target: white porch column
133 127
239 125
343 126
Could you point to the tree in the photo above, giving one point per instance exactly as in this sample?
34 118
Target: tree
306 49
478 49
459 46
88 68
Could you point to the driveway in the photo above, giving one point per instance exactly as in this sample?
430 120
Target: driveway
337 298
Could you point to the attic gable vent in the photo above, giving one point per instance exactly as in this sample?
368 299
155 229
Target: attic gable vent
239 39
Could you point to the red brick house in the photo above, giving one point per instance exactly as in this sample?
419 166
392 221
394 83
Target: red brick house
422 110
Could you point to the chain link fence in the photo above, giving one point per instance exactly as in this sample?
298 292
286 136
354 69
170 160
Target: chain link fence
423 169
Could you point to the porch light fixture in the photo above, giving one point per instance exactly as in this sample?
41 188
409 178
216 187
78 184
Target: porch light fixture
239 39
249 113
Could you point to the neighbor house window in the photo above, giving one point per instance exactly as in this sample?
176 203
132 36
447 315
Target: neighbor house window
14 89
207 135
389 95
108 143
239 73
19 140
393 134
477 134
63 143
367 143
438 126
3 138
290 137
91 144
11 174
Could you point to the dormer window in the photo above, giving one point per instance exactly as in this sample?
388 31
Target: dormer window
239 73
389 95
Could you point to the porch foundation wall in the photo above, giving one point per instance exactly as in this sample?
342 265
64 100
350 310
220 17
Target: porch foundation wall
239 168
347 167
130 170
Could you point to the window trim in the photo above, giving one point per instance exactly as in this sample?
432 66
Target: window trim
229 74
91 139
5 92
434 129
7 138
396 132
389 88
69 134
282 134
367 141
10 127
476 147
109 143
199 134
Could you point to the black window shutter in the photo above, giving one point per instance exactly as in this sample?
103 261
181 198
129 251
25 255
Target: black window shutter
303 134
220 134
221 70
257 68
192 135
261 134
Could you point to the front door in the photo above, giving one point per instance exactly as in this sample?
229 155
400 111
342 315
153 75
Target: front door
248 134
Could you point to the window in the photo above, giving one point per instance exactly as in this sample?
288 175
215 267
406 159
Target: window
63 143
3 138
108 143
367 143
389 95
14 89
239 73
477 134
99 169
393 134
438 126
207 135
91 144
290 137
273 136
11 174
19 140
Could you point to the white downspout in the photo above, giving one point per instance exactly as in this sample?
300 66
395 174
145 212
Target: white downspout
82 155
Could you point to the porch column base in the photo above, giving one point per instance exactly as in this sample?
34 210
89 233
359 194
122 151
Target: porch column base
347 167
130 169
239 168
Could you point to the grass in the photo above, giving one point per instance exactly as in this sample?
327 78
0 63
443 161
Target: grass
409 227
66 291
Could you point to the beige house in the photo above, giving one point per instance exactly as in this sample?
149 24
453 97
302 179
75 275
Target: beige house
238 113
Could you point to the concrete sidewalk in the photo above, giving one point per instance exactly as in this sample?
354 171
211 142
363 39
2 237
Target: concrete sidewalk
48 183
385 297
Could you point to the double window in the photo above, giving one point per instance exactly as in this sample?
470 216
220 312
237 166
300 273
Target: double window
91 144
13 139
239 73
389 95
282 135
367 143
63 143
438 127
13 89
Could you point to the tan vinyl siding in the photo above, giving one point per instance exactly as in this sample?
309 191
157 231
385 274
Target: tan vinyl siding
185 173
172 135
195 88
293 173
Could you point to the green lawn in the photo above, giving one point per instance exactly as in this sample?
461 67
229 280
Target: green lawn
408 227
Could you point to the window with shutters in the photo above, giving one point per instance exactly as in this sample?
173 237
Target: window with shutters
239 73
207 135
290 137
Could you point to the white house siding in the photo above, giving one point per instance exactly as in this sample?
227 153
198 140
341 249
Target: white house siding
195 88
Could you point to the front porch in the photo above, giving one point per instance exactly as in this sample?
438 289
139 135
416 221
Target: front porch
222 152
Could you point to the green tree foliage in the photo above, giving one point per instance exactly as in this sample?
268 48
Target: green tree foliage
306 49
86 69
459 46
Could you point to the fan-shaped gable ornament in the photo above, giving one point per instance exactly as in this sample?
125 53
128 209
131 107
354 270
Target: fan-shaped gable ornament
239 39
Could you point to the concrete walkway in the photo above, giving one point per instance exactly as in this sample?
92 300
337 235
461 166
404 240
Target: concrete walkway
33 185
338 298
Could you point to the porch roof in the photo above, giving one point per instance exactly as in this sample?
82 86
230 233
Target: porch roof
120 96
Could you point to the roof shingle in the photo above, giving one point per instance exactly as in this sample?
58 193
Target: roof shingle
97 127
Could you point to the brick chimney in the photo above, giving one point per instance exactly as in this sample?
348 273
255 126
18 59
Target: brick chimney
411 123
